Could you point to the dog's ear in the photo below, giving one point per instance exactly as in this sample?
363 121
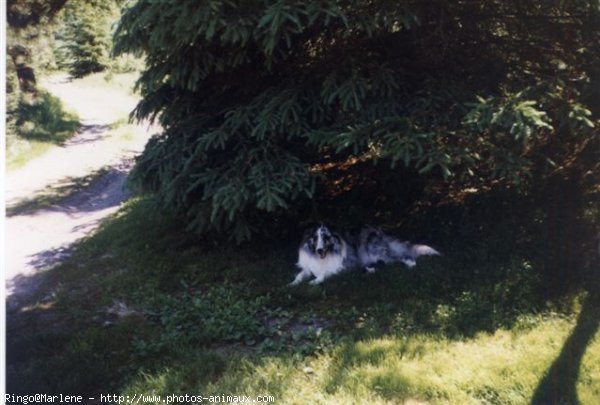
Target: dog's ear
309 231
327 225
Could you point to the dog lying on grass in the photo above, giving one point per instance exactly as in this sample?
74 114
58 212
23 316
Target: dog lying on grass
324 253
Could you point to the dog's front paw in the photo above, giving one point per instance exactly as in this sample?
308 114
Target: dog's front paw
409 262
370 269
316 281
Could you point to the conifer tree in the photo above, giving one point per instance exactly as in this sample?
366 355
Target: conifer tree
263 101
87 34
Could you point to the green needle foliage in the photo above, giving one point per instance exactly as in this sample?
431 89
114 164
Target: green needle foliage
260 99
87 35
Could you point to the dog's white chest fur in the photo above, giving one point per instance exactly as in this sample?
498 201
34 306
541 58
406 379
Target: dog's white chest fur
321 268
331 264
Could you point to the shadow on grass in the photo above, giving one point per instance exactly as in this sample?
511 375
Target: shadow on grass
197 300
559 383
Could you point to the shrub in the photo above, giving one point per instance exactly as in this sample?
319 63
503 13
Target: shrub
45 119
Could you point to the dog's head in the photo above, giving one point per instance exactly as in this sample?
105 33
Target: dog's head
321 241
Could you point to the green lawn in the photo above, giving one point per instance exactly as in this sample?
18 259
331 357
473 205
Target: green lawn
144 308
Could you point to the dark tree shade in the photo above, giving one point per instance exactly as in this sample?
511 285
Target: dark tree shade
23 13
262 101
26 22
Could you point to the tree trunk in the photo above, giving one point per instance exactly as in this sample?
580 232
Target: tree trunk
25 73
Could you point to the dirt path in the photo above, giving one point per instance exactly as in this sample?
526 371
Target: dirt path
37 239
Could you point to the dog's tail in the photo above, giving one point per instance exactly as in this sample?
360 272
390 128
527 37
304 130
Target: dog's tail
424 250
408 253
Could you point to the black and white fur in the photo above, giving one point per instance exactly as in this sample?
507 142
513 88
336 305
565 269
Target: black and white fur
324 253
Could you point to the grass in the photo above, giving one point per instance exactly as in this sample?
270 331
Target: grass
142 307
121 82
38 126
122 130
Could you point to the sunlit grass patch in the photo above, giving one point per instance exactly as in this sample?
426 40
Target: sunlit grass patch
503 367
121 82
20 151
122 131
588 383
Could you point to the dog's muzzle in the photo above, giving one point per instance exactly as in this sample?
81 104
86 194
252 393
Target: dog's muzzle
322 253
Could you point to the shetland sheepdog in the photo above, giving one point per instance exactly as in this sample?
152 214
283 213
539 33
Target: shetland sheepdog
324 253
